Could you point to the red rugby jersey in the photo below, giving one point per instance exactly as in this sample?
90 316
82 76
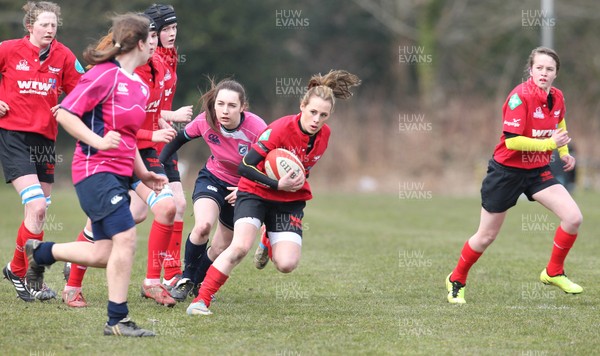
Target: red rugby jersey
285 133
31 89
152 73
526 113
169 57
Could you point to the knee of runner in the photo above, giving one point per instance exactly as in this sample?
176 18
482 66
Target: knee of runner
165 210
285 266
203 230
238 253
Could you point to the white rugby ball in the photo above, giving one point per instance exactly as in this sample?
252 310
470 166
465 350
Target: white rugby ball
280 161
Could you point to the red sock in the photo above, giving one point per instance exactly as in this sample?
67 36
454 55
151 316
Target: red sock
467 258
18 265
173 257
212 283
77 271
267 243
158 242
562 244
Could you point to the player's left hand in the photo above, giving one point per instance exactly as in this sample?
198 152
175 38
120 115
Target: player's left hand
183 114
155 181
569 162
231 197
54 109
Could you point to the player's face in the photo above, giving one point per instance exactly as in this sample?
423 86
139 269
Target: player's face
148 47
43 30
168 34
153 40
543 71
314 114
228 108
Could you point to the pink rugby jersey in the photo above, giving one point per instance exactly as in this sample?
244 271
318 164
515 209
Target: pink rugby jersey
227 147
107 98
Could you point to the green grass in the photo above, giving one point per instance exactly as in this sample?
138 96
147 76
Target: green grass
371 281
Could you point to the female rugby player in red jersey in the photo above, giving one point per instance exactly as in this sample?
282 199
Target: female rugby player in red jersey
262 199
104 112
166 23
34 71
534 125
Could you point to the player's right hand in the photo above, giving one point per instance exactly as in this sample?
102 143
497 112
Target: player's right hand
111 140
561 137
290 184
3 108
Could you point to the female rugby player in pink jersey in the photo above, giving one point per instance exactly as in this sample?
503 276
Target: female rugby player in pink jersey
34 71
262 199
154 130
533 126
229 131
104 112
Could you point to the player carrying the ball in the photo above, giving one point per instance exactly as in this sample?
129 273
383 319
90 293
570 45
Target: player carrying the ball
534 125
279 204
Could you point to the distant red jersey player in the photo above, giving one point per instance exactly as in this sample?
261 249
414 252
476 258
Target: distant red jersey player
34 72
533 126
166 22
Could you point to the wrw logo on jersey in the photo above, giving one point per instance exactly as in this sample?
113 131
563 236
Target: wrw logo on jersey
153 106
542 133
34 87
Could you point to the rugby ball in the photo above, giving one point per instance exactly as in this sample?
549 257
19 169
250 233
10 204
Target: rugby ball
280 161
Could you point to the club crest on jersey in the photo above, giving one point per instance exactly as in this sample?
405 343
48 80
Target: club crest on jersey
122 88
538 114
214 139
23 65
514 101
265 135
242 149
557 114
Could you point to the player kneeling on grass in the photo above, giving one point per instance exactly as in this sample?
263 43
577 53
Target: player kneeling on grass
534 125
262 199
104 160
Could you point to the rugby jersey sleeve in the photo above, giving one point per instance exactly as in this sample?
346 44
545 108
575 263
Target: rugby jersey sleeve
514 113
93 88
72 73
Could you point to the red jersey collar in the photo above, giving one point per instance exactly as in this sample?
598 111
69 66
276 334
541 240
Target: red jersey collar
539 92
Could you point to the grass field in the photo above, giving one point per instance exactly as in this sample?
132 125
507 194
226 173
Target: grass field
371 281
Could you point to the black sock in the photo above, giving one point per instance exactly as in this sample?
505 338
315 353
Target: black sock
116 312
192 256
203 266
43 254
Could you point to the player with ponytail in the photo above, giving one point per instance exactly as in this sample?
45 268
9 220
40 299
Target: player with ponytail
279 204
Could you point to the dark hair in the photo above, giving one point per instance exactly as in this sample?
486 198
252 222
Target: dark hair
542 50
207 100
335 84
34 9
163 15
127 30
